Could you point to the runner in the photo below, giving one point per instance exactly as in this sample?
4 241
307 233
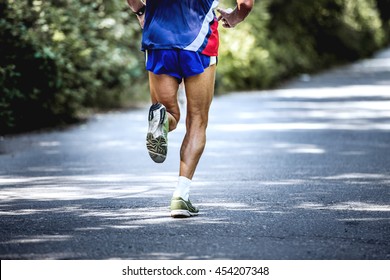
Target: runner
180 40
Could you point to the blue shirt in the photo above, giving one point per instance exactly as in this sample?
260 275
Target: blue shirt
181 24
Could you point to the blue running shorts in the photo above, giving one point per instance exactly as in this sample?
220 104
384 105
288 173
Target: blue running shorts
177 63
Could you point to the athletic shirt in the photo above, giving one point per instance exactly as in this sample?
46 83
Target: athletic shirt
181 24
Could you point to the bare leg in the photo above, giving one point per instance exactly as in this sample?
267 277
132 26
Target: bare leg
200 92
163 89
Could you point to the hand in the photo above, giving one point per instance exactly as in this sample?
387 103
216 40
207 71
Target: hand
228 18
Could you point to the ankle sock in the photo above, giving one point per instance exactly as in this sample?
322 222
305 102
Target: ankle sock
183 188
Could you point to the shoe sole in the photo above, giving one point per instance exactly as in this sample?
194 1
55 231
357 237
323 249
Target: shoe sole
182 214
157 148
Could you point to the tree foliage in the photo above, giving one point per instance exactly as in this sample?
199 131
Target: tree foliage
60 58
283 38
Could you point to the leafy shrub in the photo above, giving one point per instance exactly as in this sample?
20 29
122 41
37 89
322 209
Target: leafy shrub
245 52
384 12
283 38
60 57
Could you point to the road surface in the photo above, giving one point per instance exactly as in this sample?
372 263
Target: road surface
300 172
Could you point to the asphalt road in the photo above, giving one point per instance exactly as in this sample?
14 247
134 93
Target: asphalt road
300 172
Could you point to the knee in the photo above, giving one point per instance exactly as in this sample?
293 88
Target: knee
197 123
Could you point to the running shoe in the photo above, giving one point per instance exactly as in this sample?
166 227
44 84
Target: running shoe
181 208
157 137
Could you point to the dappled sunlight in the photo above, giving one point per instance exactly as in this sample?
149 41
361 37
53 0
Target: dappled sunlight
298 167
49 143
108 211
365 176
229 206
130 217
221 144
347 108
54 192
38 239
44 256
48 188
346 206
344 93
291 182
371 219
88 229
248 147
46 169
359 178
24 212
116 144
165 256
208 220
294 148
243 127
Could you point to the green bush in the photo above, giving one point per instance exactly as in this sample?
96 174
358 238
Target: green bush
384 12
283 38
245 52
60 57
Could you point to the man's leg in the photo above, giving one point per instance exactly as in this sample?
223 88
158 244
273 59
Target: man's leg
164 115
163 89
200 92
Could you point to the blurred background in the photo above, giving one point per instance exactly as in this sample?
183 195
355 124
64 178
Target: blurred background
62 60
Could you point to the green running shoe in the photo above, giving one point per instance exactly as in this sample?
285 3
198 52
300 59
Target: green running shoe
181 208
157 136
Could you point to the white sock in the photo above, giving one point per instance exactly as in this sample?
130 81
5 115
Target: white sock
183 188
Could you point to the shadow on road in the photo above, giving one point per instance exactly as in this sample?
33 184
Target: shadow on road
301 172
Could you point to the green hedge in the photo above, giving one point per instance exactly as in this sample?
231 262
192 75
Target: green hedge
62 58
384 12
283 38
